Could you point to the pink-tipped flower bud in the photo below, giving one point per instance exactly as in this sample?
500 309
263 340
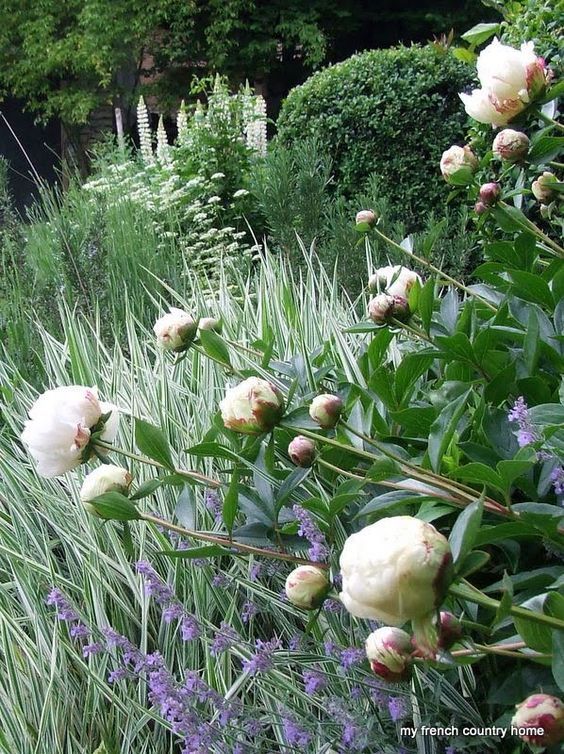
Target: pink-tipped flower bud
307 587
490 193
252 407
106 478
326 410
511 145
381 308
539 720
543 187
209 323
458 165
389 653
175 330
450 630
302 451
395 570
365 219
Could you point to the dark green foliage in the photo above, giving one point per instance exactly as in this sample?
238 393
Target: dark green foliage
384 113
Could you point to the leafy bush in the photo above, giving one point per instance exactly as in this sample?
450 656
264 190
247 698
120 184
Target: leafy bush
386 113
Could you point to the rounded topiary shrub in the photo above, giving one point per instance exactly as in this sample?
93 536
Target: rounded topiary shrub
385 112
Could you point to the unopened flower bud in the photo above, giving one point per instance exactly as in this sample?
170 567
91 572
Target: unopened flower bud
325 410
540 720
543 187
252 407
511 145
307 587
105 478
480 208
365 219
489 193
458 165
450 630
175 330
389 653
381 308
209 323
302 451
401 309
395 570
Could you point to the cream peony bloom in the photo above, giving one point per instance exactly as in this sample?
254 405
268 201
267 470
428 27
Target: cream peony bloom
106 478
540 712
252 407
175 330
59 428
395 570
509 79
397 280
458 165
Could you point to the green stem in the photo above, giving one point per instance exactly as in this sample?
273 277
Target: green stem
468 592
226 542
227 367
530 225
412 330
506 650
149 461
434 269
549 120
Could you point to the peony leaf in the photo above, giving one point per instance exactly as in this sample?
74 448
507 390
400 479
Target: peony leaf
464 531
115 507
185 510
480 33
151 441
444 427
215 347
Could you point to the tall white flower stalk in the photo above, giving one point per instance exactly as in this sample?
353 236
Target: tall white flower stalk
255 129
144 131
182 124
163 147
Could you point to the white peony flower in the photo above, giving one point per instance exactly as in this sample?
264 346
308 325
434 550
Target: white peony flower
175 330
509 79
307 587
395 570
209 323
389 652
252 407
60 427
106 478
396 279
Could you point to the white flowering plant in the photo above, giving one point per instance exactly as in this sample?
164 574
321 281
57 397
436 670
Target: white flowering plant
403 566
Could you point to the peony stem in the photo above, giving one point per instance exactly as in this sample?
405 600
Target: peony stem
149 461
412 330
434 269
226 542
549 120
227 367
507 650
530 225
468 592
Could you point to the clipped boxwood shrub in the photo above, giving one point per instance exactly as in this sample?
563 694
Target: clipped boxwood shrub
385 112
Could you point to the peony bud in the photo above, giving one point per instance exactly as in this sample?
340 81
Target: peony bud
307 587
401 309
395 570
106 478
539 720
325 410
389 653
480 208
365 219
381 308
302 451
489 193
396 279
511 145
210 323
458 165
175 330
252 407
542 187
450 630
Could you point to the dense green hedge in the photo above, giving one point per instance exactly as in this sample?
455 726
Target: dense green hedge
386 112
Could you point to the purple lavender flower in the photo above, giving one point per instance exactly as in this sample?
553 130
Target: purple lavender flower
519 414
351 656
255 571
295 642
352 735
311 531
397 708
224 638
79 631
189 628
557 479
117 675
262 660
154 585
294 734
314 680
450 750
220 580
92 649
64 610
172 612
249 611
213 504
332 606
